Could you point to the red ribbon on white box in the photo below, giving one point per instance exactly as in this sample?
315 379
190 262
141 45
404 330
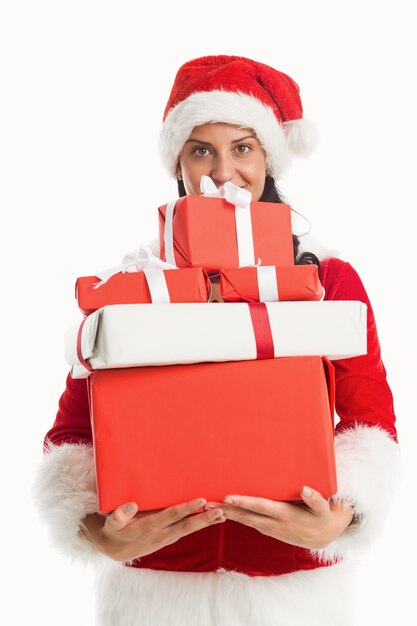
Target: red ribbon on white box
143 260
262 330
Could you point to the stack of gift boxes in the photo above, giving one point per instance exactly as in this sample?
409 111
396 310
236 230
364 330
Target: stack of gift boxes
188 399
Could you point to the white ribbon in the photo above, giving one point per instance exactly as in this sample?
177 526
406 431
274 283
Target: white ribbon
158 287
267 283
142 260
241 199
168 233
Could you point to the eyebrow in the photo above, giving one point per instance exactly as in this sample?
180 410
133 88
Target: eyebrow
207 143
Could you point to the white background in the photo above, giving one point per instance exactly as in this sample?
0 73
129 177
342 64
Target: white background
83 89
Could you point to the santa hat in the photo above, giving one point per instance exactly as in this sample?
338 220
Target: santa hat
242 92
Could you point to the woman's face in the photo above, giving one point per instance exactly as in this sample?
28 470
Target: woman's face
225 153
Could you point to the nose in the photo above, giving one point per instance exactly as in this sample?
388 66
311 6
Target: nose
223 169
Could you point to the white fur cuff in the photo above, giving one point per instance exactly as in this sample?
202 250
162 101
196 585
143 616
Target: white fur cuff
65 491
368 473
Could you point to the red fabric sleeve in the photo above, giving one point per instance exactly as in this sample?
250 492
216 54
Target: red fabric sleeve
72 423
362 390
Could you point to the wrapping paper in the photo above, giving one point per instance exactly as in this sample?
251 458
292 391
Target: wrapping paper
205 233
161 436
137 335
184 285
296 282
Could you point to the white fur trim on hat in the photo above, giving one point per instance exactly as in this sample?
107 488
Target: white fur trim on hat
368 476
297 137
64 491
302 136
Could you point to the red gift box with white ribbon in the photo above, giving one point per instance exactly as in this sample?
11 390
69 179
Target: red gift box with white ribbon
223 228
271 283
141 278
180 285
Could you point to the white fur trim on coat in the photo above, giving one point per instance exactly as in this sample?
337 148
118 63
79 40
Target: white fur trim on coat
64 491
368 476
280 143
145 597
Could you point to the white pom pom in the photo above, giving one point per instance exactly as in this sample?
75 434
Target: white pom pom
302 136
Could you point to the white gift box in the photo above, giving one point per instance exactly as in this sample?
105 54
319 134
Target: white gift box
134 335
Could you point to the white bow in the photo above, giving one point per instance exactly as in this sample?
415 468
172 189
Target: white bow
142 260
138 260
229 191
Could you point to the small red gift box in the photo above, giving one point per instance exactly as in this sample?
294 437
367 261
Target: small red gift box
205 235
165 435
185 285
254 284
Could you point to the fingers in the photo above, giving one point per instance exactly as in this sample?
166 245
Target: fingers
197 522
181 520
263 506
263 514
314 500
258 513
176 513
260 522
121 516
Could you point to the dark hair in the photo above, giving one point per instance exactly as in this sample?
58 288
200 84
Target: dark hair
271 194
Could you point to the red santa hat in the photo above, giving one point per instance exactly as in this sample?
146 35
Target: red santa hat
242 92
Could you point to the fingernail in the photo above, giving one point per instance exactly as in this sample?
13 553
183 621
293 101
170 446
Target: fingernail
228 500
201 502
130 508
307 492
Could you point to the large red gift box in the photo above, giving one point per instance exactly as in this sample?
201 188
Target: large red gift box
204 231
186 285
165 435
292 282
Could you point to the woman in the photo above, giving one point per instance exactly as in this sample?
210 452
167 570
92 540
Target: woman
246 560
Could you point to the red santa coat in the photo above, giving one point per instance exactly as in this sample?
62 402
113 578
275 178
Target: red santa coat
223 565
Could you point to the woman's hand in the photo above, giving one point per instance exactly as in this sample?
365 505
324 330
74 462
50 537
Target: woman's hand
312 524
126 534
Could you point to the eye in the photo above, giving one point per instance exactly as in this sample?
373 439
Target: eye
245 146
198 152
